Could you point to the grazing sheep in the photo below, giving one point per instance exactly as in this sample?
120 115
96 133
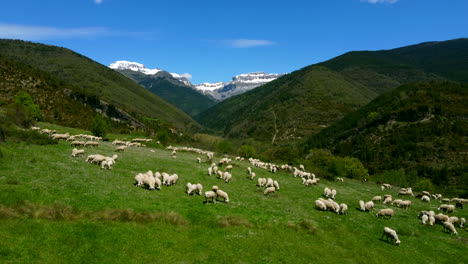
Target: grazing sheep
120 148
249 171
388 212
333 194
77 152
397 202
320 205
445 200
334 206
425 198
269 182
210 171
199 188
77 143
449 208
424 219
440 218
343 208
228 167
252 176
431 220
189 188
449 227
158 175
369 206
453 219
210 195
269 190
173 179
276 185
222 194
405 204
390 233
377 198
387 200
198 160
227 177
261 182
150 181
139 179
361 206
166 178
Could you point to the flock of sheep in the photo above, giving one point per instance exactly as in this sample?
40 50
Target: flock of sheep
154 181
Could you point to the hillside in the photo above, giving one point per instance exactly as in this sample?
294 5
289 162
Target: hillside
55 208
173 91
305 101
92 79
421 128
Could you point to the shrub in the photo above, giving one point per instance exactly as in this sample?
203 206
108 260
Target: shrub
24 99
247 151
99 126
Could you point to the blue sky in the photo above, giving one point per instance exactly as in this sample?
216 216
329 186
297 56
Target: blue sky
215 40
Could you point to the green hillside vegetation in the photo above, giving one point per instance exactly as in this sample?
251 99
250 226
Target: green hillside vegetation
93 80
306 101
58 209
173 91
417 133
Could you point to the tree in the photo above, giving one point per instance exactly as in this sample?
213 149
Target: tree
24 99
99 126
247 151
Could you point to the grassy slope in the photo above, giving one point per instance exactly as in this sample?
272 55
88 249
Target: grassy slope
318 95
92 78
282 228
178 94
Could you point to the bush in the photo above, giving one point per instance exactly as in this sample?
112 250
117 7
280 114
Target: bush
247 151
99 126
224 147
24 99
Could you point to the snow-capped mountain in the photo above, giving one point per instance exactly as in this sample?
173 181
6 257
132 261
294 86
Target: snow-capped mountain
138 67
219 90
239 84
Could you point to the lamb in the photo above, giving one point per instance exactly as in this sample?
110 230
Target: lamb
388 212
449 208
77 152
320 205
425 198
343 208
210 195
269 190
449 227
222 194
276 185
390 233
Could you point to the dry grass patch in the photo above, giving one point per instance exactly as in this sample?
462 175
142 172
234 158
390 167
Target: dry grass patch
228 221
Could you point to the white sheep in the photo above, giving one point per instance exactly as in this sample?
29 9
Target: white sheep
222 194
333 194
405 204
431 220
390 233
228 167
173 179
449 208
150 181
190 188
424 219
269 182
210 171
252 175
166 178
227 177
425 198
362 206
440 218
198 160
261 182
387 200
343 208
388 212
139 179
377 198
449 227
199 188
269 190
77 152
276 185
210 195
320 205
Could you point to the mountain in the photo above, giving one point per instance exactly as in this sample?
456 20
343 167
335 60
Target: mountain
306 101
239 84
420 128
81 79
171 89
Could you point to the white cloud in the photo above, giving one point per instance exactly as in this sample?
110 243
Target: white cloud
248 43
98 1
27 32
380 1
186 75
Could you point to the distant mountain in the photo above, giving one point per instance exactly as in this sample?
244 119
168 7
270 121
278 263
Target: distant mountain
171 89
420 128
306 101
218 91
238 85
82 79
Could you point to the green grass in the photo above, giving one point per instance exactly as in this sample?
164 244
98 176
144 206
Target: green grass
75 212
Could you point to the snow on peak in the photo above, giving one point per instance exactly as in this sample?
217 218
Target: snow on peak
133 66
210 86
